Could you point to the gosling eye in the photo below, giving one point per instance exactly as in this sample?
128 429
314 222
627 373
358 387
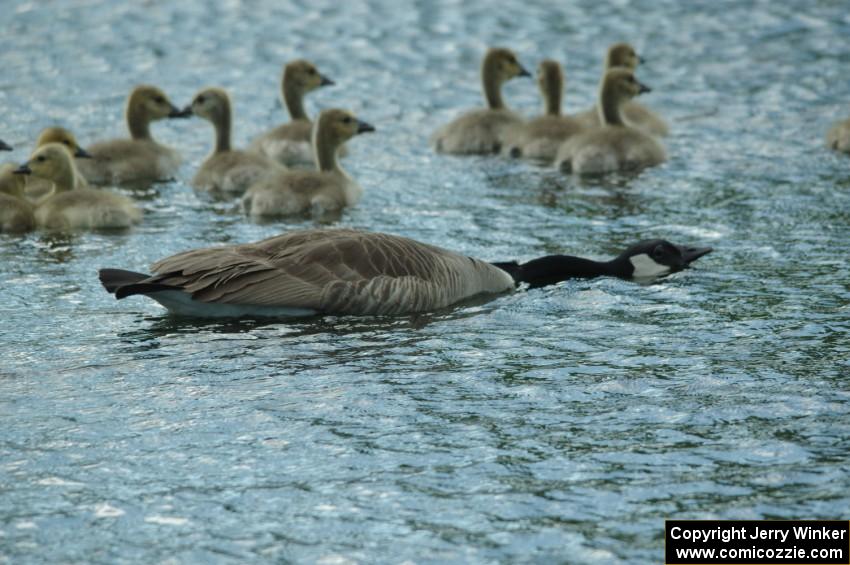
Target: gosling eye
159 100
41 158
347 120
66 143
311 72
199 100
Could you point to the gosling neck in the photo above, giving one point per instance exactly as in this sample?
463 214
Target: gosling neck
223 123
552 90
609 105
553 269
138 122
492 85
325 147
65 178
293 97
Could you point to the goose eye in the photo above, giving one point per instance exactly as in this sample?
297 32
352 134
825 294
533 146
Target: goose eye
658 252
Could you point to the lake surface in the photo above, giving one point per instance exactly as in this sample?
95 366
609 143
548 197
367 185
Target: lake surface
561 424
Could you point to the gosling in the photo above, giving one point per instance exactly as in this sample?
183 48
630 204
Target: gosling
635 114
615 146
484 131
541 137
227 171
139 158
36 188
70 208
289 144
326 189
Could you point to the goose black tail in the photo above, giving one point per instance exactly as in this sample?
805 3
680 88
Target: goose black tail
123 283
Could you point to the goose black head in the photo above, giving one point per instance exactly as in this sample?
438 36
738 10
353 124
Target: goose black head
657 257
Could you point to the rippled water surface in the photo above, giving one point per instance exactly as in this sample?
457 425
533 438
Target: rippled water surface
557 424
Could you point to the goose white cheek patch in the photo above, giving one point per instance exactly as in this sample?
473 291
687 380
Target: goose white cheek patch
646 267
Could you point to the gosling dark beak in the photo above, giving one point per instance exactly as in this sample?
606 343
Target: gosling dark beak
23 170
325 81
178 113
363 127
5 146
642 88
691 254
641 60
81 153
523 72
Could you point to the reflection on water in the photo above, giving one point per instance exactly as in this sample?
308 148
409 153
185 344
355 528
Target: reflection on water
561 423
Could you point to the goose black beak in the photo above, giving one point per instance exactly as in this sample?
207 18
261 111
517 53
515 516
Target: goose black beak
325 81
178 113
523 72
81 153
691 254
23 170
363 127
5 146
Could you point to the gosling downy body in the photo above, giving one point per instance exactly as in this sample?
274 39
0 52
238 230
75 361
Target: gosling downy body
38 188
289 144
487 130
16 212
541 137
326 189
70 208
838 137
635 114
226 171
139 158
343 271
615 146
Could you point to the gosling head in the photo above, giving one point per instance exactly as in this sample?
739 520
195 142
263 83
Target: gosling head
658 257
303 76
502 64
340 125
622 84
63 137
50 162
622 55
151 103
210 104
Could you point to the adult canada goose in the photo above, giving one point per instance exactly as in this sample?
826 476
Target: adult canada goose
635 114
139 158
540 138
326 189
289 143
484 131
615 146
344 271
226 171
16 212
838 136
38 188
75 208
5 146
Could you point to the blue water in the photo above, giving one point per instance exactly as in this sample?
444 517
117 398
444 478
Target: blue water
562 424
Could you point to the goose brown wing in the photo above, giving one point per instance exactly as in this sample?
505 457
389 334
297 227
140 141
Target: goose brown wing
339 271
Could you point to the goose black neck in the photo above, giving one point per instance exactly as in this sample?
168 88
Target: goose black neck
553 269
